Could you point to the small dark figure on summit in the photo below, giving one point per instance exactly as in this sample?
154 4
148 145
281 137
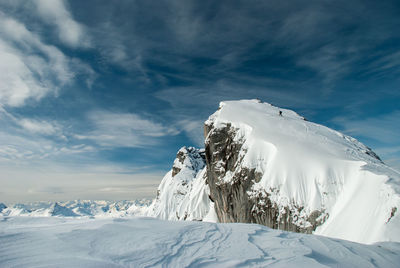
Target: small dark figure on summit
280 113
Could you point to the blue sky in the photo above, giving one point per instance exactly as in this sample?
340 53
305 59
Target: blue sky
96 97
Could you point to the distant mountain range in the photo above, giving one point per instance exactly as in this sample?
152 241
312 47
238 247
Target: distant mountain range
77 208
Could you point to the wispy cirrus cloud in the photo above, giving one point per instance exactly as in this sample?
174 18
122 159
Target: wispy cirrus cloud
39 126
383 128
113 129
29 68
69 31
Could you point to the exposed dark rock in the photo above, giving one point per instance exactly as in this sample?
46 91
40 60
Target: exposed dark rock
392 213
373 154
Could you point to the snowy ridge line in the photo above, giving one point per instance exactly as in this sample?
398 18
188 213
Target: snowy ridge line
78 208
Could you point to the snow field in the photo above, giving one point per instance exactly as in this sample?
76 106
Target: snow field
148 242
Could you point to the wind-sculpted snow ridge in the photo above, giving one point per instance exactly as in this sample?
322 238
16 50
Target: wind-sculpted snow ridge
148 242
287 173
78 208
183 194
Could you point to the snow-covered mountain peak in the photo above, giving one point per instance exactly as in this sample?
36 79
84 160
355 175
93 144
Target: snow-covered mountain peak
288 131
78 208
270 165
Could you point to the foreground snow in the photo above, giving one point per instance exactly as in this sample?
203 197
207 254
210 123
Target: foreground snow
148 242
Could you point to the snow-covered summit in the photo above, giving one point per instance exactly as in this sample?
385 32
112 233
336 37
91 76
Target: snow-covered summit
280 170
290 132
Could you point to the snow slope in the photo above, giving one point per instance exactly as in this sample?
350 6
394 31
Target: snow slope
308 165
148 242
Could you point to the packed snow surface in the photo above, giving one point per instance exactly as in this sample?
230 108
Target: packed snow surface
148 242
315 168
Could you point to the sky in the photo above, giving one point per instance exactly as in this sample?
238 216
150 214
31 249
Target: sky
96 97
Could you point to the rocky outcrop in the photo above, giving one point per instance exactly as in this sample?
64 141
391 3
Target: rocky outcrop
237 199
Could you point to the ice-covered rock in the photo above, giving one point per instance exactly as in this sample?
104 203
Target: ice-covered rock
58 210
2 206
183 193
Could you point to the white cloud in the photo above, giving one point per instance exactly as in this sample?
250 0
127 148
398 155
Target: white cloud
55 184
70 32
24 141
124 130
41 127
30 68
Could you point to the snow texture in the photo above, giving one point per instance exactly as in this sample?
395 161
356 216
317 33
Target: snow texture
148 242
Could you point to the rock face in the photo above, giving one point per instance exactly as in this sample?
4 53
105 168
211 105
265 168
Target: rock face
183 193
235 199
270 166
